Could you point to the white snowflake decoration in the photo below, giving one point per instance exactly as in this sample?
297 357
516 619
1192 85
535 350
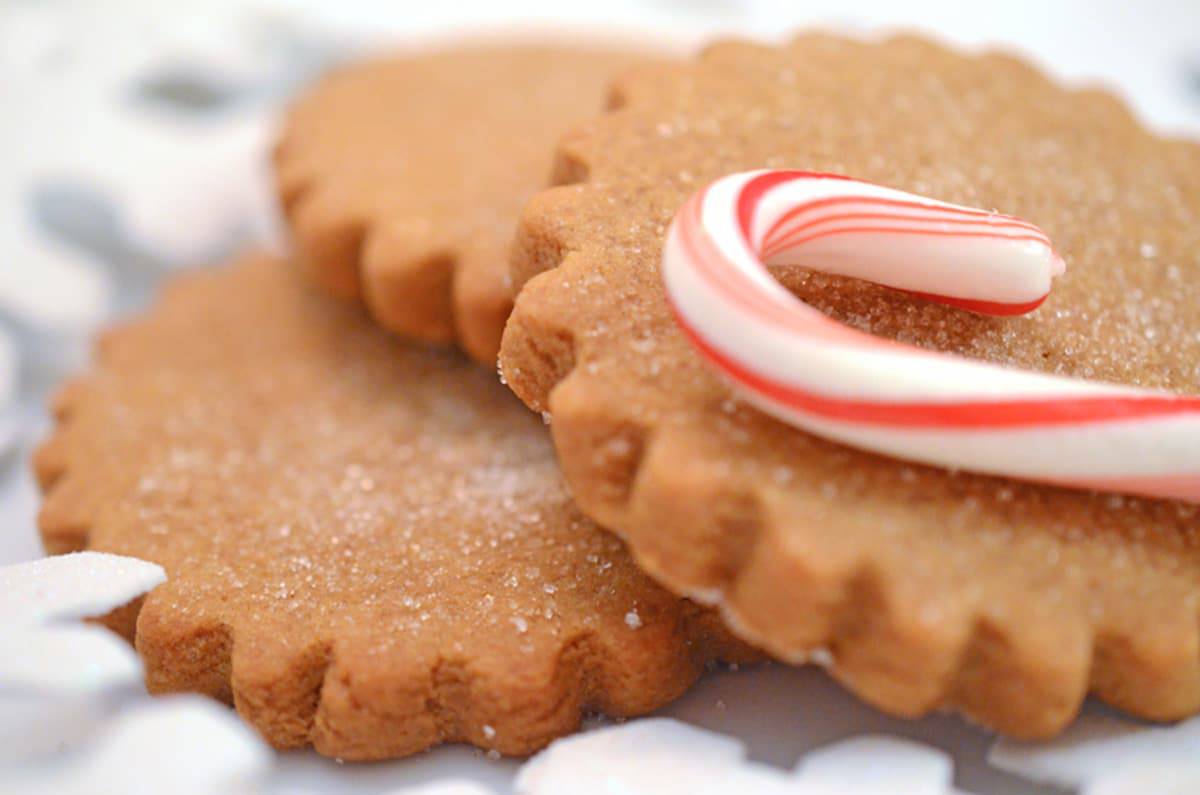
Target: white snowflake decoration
445 787
9 364
1175 778
43 647
55 672
8 371
61 679
1104 755
183 745
77 83
661 756
78 585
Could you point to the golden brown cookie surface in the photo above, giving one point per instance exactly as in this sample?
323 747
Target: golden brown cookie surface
402 178
369 546
924 588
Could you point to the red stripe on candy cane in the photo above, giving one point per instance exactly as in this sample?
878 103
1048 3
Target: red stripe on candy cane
968 414
784 232
813 372
982 307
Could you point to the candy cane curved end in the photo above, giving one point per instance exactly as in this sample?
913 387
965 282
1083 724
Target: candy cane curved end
808 370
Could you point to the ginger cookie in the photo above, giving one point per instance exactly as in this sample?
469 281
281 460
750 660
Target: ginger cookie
920 587
402 178
368 545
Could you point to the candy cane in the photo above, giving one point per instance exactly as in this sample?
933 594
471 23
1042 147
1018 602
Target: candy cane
808 370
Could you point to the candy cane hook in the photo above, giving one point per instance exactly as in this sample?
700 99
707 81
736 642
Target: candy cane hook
808 370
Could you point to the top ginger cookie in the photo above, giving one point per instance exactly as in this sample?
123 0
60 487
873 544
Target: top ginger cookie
921 588
368 544
402 178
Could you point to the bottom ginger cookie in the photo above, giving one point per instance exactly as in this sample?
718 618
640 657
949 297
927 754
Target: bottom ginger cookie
369 547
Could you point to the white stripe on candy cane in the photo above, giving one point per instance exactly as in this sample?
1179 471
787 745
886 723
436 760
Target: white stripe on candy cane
801 366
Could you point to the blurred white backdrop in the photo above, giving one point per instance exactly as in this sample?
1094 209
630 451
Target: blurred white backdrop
134 141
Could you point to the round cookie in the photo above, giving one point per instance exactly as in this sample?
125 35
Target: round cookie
919 588
369 547
402 178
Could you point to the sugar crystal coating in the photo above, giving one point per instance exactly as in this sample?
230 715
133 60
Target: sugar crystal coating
375 537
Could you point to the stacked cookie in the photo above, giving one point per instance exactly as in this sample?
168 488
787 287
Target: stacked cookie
370 544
